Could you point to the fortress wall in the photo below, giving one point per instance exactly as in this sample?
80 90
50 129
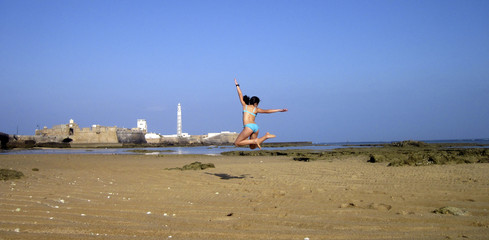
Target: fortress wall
58 130
195 139
153 140
96 134
224 138
58 133
113 135
169 140
130 136
39 138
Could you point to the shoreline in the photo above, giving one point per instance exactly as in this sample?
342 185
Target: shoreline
30 145
54 145
394 154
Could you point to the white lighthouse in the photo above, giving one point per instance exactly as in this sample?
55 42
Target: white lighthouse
179 120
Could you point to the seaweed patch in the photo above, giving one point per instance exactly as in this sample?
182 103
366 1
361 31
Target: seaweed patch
7 174
411 153
194 166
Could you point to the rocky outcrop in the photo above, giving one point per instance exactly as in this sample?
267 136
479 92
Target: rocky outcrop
409 143
392 155
4 139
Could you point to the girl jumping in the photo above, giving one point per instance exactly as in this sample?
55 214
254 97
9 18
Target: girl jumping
250 128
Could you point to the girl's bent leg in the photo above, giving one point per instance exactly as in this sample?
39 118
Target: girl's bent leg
241 139
252 137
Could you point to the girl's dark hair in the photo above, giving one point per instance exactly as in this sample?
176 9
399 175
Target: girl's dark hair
251 101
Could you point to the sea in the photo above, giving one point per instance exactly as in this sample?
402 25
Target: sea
217 150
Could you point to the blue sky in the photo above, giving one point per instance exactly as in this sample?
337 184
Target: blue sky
346 70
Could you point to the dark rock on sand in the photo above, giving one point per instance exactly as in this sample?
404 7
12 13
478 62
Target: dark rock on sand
194 166
379 206
7 174
302 159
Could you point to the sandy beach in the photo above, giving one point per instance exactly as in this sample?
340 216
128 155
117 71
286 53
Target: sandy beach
135 197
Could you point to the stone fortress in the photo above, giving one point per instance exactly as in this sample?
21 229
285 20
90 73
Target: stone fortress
113 136
76 136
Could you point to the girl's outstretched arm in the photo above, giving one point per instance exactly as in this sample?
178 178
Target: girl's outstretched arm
259 110
240 94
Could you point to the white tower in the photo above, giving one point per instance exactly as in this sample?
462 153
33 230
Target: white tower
179 120
142 125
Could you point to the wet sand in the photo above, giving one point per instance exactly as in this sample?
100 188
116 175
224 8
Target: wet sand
134 197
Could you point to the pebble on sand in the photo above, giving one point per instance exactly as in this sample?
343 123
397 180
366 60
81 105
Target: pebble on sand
450 210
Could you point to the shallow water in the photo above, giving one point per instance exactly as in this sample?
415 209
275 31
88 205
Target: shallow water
206 150
217 150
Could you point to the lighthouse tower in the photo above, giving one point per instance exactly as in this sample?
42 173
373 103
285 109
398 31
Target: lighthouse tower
179 120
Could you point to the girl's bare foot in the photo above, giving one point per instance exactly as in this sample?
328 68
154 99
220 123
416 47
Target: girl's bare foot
262 139
269 135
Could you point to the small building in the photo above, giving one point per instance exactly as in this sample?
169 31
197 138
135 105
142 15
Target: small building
142 125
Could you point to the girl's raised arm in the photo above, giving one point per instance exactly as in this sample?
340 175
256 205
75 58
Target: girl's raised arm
240 94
